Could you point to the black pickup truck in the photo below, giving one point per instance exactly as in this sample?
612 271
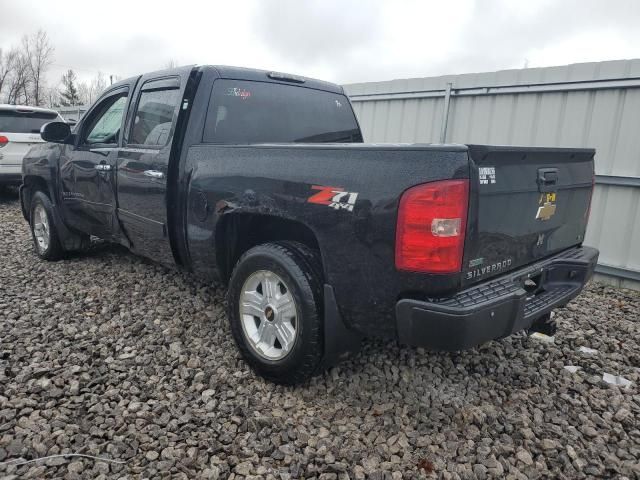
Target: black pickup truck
261 180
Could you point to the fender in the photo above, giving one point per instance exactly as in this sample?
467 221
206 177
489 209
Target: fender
40 167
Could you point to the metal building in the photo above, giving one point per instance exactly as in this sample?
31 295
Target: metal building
582 105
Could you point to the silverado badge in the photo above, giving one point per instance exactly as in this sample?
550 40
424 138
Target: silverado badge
547 206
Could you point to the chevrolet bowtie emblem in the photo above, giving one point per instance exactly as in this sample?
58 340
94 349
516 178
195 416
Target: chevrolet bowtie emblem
546 211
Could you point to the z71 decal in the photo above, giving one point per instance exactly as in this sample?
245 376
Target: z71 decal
333 197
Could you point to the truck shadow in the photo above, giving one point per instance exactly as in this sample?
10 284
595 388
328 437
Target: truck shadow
8 194
382 368
97 249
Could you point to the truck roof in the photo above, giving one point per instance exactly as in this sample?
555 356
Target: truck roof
241 73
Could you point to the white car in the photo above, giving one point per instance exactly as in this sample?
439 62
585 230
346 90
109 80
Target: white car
19 130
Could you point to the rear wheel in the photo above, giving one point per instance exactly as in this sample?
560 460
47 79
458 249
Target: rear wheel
274 303
43 230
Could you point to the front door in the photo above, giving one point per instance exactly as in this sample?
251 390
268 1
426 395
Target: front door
144 160
87 169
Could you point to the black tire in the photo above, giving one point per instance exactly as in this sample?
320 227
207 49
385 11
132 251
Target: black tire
299 267
53 250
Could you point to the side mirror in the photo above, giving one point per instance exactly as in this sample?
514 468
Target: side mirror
56 132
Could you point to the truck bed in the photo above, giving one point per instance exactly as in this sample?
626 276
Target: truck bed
358 245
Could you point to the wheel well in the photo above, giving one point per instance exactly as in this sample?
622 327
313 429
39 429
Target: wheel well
239 232
32 184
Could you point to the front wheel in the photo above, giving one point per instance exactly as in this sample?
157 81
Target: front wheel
274 308
43 230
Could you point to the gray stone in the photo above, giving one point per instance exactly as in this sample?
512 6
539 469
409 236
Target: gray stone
480 471
75 467
524 457
151 455
113 356
243 468
622 414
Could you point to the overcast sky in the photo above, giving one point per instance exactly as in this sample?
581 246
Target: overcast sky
337 40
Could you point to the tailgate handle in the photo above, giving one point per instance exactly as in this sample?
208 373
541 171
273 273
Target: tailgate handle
547 179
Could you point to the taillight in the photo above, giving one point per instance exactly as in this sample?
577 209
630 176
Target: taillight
3 141
432 218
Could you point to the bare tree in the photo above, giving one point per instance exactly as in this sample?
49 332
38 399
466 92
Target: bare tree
38 53
84 93
7 66
51 97
5 70
88 92
98 85
171 63
19 79
23 71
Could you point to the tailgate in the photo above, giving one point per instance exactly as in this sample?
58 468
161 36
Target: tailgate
525 204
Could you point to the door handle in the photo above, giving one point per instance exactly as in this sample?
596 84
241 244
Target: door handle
154 173
103 167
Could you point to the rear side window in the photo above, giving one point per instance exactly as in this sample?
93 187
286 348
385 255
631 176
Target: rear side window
154 117
242 112
27 122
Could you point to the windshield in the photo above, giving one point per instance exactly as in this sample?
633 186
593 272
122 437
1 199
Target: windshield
25 122
242 112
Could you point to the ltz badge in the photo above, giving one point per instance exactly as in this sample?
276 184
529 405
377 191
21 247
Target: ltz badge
547 206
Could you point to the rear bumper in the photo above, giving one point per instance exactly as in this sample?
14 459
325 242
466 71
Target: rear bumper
10 171
496 308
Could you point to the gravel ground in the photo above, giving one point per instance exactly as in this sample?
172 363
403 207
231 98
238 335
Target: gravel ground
105 354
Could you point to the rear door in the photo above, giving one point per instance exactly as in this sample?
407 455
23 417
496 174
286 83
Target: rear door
19 131
144 161
87 168
525 204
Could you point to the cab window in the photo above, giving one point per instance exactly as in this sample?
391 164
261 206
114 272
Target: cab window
154 117
245 112
104 125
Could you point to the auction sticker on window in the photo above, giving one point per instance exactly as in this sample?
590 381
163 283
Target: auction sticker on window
238 92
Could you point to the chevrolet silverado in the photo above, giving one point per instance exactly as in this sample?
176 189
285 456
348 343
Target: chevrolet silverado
261 180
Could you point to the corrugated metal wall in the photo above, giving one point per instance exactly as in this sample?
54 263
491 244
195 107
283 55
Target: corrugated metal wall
583 105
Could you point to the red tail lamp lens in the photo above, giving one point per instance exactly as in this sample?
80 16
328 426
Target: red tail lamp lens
430 233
